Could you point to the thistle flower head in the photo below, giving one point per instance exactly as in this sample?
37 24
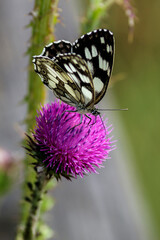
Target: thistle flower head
65 150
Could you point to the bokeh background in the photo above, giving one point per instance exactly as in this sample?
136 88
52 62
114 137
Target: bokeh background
123 201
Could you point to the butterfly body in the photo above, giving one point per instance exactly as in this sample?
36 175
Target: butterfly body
78 73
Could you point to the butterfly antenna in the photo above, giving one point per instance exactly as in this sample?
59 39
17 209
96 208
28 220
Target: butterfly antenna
114 109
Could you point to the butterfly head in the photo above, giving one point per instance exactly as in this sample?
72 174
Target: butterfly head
95 112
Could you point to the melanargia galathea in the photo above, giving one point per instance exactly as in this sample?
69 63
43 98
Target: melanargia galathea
78 73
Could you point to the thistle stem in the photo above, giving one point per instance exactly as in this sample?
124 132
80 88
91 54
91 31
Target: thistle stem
37 193
44 18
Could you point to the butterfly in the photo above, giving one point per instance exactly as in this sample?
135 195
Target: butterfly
78 73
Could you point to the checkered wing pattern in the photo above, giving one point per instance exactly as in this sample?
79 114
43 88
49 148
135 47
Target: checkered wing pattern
78 73
56 48
97 48
68 77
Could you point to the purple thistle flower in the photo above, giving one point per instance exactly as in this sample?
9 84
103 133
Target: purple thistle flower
63 149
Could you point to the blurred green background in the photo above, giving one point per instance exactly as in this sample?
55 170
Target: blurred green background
140 92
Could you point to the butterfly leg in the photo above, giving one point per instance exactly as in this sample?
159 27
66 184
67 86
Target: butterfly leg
76 124
66 117
66 112
90 119
94 120
73 112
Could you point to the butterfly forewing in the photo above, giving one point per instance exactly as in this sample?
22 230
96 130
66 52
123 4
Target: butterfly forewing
97 49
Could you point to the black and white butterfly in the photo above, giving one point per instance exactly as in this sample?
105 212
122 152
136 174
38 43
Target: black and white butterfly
78 73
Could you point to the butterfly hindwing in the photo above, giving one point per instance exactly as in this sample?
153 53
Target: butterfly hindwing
69 82
55 78
97 49
77 70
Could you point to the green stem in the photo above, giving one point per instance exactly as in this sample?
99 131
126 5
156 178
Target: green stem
31 227
45 15
44 18
97 9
